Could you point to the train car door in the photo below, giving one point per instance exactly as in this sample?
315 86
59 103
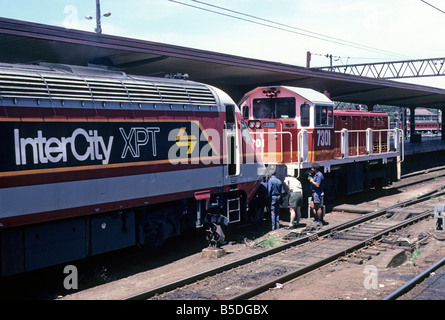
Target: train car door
232 144
232 165
323 132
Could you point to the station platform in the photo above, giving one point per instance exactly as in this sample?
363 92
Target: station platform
428 144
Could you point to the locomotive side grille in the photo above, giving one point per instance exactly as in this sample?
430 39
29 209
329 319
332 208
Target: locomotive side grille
68 88
166 93
22 86
108 90
201 96
173 94
141 92
64 86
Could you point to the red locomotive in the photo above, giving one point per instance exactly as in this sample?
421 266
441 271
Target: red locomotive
95 160
295 127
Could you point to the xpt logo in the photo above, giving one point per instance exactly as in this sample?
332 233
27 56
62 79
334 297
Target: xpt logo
137 138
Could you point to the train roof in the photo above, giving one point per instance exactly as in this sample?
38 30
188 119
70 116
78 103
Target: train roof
360 113
67 82
310 95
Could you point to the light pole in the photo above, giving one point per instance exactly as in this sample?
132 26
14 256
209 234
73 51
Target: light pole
98 16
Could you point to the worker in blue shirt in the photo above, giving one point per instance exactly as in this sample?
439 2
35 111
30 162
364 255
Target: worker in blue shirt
316 180
275 191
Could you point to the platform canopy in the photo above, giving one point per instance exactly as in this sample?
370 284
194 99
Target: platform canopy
25 42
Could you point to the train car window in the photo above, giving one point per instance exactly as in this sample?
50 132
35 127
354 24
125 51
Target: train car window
274 108
232 141
305 115
324 115
230 114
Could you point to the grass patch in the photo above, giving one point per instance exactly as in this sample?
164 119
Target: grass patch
415 254
268 241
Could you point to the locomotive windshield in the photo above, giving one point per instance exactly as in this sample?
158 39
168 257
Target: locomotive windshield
274 108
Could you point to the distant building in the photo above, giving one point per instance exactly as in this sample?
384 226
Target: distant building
427 122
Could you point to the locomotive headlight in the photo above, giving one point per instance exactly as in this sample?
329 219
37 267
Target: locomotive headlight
251 124
258 124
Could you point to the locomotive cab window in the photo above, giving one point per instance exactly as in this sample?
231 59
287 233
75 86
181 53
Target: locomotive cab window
285 108
305 113
274 108
324 116
246 112
263 109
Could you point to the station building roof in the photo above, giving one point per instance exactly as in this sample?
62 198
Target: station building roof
27 42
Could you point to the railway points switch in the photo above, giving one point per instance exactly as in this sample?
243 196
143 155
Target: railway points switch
439 218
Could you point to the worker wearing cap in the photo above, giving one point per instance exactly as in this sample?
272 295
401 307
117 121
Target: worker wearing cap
316 180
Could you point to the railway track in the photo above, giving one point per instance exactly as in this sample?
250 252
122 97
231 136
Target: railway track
245 278
430 290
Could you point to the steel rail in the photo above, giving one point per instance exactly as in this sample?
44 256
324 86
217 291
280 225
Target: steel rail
321 233
413 282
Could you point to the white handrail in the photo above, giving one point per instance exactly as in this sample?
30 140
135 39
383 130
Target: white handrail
392 135
380 139
282 149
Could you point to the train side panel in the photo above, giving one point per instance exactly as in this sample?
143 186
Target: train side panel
96 161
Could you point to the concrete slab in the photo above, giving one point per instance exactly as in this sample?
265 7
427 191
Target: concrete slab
213 253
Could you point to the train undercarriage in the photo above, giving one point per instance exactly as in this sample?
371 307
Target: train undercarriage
41 245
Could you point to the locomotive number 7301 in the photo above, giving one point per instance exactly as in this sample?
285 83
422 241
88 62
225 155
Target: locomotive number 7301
324 138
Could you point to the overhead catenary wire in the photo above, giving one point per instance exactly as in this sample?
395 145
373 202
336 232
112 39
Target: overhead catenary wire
283 27
296 28
432 6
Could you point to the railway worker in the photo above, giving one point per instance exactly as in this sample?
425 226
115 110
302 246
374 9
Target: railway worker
316 180
295 199
275 191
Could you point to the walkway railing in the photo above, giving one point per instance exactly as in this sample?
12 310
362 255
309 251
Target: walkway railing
279 146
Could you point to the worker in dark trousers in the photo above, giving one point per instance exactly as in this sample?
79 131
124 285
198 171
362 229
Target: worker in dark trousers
316 180
259 202
275 191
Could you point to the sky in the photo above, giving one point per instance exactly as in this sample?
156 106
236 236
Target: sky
352 31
